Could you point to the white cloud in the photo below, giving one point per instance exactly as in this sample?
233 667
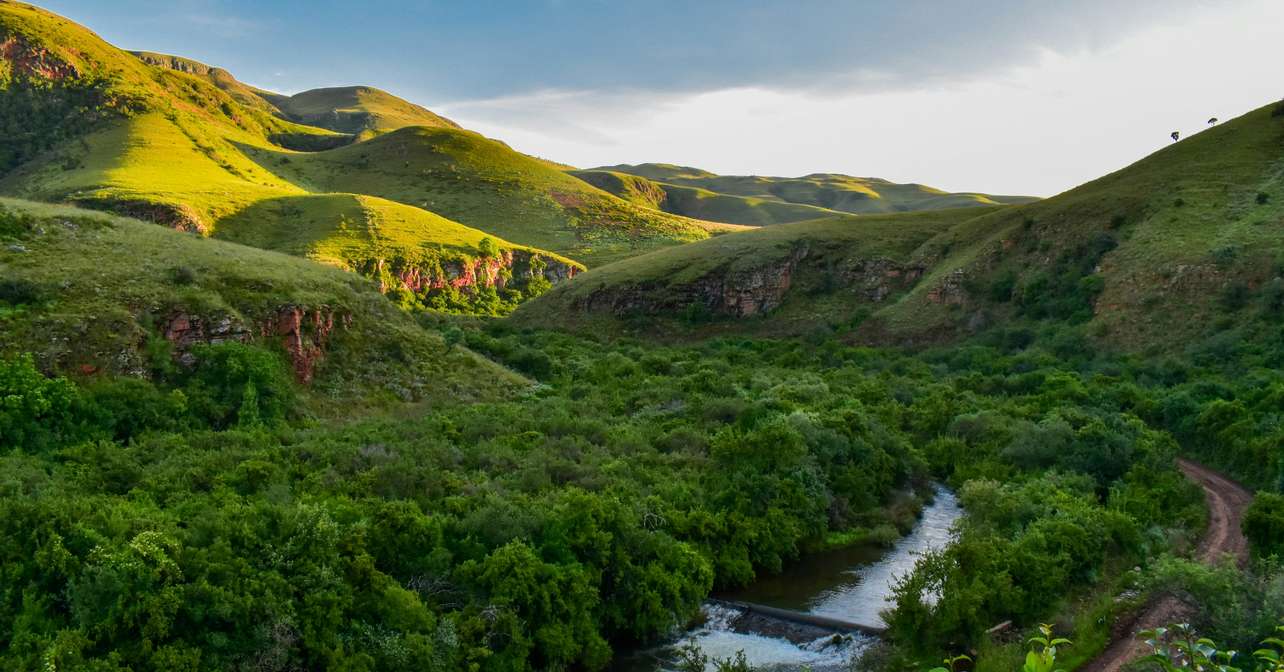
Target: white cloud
1035 128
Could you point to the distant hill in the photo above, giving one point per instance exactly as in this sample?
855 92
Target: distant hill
1179 246
758 200
92 293
360 110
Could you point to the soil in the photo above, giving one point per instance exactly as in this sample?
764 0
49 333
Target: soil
1226 503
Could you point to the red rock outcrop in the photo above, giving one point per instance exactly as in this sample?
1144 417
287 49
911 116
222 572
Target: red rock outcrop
482 271
304 334
36 62
184 331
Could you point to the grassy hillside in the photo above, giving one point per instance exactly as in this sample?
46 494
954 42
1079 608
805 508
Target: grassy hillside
700 203
242 93
93 293
487 185
183 152
714 194
1180 245
186 145
784 279
359 110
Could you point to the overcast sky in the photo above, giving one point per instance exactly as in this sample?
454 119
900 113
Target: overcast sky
1002 96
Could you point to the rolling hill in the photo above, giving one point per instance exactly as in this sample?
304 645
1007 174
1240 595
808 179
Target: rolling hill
1177 247
758 200
359 111
188 146
91 293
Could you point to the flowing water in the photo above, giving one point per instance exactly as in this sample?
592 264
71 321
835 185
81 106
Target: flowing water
853 585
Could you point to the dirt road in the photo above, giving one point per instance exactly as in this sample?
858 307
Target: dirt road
1226 504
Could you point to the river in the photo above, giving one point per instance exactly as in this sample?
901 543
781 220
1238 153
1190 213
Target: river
851 584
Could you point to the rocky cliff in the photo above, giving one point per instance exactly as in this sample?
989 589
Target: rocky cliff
304 332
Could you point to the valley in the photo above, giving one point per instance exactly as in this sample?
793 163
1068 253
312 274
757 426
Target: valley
327 381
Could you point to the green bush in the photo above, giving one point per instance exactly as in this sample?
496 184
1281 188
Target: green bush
239 385
1264 524
35 411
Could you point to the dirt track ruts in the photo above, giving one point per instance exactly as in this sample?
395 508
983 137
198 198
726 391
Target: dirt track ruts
1226 503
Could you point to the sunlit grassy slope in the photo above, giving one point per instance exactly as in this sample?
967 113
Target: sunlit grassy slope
190 154
1184 243
487 185
86 291
692 190
361 110
701 203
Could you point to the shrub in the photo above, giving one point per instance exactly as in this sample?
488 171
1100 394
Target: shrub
234 384
35 411
18 292
1263 198
1264 524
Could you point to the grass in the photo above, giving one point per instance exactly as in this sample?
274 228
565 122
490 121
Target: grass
701 203
359 110
833 246
195 156
830 192
1193 242
345 229
485 184
102 286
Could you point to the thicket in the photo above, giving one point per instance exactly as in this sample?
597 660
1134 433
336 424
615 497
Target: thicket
197 523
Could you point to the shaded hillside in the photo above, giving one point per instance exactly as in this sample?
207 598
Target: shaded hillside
1182 244
92 293
833 192
784 279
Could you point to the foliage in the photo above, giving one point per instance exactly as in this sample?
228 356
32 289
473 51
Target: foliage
35 411
1264 524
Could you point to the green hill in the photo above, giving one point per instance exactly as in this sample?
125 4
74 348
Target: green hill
487 185
359 110
91 293
1180 245
700 203
773 200
101 128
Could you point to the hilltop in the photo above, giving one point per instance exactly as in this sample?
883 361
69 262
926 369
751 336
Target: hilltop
360 111
759 200
1181 245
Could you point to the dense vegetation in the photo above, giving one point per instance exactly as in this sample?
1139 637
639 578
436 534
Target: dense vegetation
191 523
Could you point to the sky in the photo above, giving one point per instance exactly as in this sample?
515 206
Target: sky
1000 96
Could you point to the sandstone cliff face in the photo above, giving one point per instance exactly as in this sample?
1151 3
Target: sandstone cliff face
740 294
32 61
304 333
517 266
